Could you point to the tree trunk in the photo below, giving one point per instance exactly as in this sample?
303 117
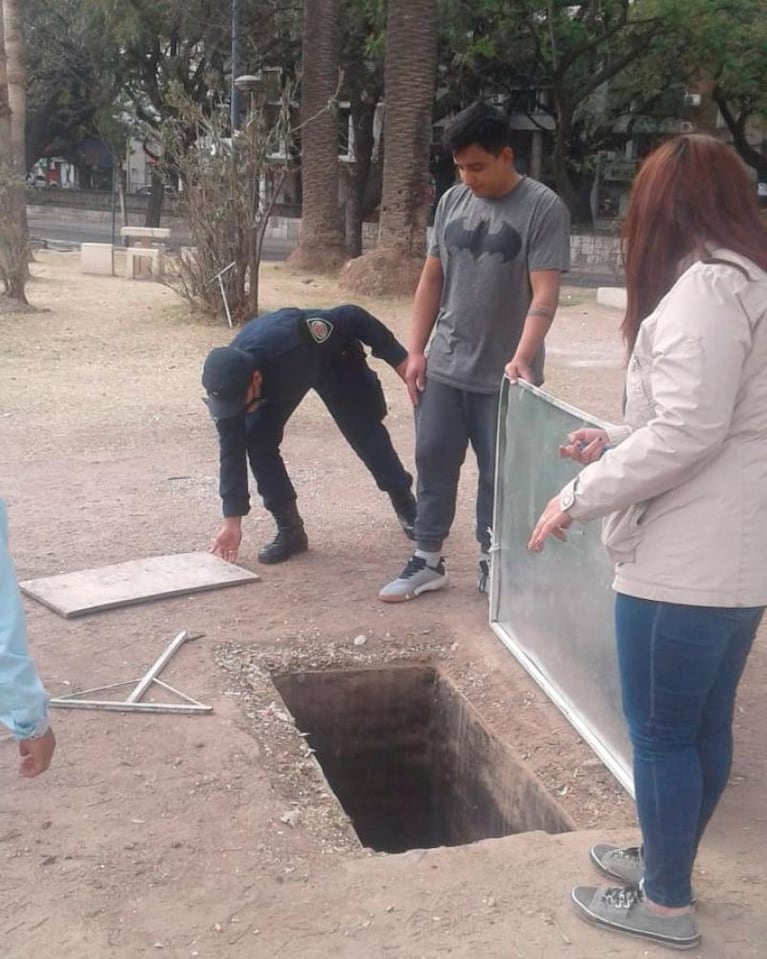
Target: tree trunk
581 213
17 79
737 123
564 184
573 187
16 69
14 240
5 109
409 78
154 206
321 245
363 116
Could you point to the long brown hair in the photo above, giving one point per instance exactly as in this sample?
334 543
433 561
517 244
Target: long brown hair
691 195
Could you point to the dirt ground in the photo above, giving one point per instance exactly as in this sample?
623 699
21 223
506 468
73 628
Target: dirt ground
215 836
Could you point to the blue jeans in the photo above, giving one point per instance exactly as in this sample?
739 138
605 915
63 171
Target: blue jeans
679 668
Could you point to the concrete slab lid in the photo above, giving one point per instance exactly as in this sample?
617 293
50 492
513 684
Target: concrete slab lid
135 581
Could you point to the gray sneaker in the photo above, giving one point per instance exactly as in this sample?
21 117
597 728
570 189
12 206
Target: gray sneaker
624 863
625 910
415 578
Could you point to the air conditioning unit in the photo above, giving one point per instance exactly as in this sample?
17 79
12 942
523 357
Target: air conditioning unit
692 99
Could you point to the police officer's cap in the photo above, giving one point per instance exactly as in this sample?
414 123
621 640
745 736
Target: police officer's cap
226 376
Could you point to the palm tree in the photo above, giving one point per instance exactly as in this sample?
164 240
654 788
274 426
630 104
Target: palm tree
16 79
14 242
5 109
409 78
322 244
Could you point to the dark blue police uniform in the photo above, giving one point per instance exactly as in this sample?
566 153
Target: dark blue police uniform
296 351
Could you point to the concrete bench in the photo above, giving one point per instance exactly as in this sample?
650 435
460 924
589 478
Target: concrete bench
97 258
144 235
147 248
138 256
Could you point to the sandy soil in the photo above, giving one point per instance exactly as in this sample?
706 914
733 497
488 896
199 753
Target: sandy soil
216 836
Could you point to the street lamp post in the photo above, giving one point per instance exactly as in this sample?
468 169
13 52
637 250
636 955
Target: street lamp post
252 84
234 99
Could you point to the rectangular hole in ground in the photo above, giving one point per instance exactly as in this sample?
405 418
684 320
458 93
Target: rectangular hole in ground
411 761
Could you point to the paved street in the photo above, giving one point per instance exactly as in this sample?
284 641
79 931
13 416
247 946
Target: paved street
71 233
74 232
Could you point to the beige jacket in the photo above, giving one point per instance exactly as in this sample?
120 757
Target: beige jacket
685 483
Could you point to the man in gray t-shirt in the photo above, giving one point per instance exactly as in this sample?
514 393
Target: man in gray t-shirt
486 298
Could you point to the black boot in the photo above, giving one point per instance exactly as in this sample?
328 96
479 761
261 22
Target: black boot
404 505
290 538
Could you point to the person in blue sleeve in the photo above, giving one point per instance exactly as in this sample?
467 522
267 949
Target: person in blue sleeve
254 385
23 700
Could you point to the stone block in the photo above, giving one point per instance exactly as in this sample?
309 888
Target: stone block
614 296
97 258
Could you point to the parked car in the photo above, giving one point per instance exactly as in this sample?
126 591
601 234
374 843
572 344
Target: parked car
39 181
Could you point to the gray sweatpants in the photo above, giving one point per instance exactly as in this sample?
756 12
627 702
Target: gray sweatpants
447 419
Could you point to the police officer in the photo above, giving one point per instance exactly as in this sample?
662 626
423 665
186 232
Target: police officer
254 385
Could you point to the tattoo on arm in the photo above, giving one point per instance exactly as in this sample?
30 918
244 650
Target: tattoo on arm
546 312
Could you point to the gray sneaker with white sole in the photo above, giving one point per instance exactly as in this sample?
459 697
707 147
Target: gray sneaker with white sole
625 910
416 578
624 863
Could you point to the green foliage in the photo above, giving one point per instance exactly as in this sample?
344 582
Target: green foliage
362 43
362 34
602 67
567 57
68 77
606 68
95 63
721 48
725 41
164 46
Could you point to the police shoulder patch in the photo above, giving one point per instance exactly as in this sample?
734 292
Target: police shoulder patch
320 330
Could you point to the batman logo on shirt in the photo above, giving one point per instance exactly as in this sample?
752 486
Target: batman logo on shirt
479 240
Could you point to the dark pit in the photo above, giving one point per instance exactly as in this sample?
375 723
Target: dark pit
411 761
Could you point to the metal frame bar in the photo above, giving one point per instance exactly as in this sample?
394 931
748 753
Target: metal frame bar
133 703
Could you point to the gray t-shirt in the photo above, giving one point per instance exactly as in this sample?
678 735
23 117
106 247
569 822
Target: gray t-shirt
488 247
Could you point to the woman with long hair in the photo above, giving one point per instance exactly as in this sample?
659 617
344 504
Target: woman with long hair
682 485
